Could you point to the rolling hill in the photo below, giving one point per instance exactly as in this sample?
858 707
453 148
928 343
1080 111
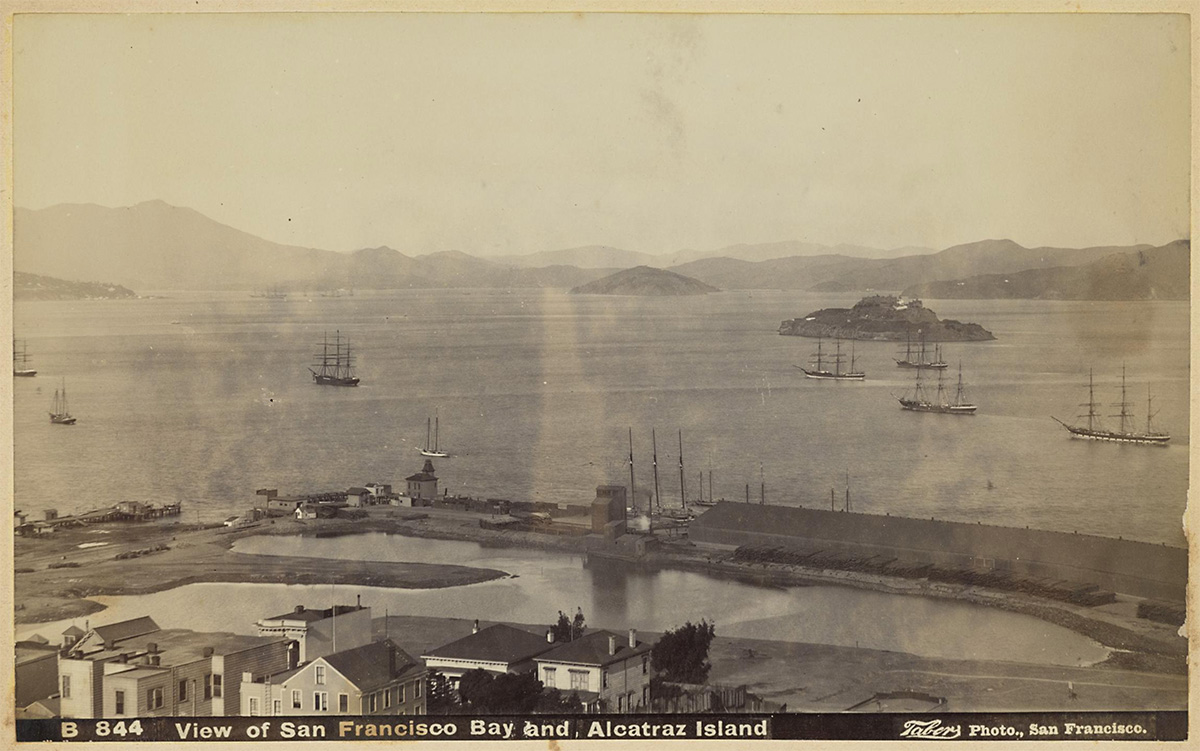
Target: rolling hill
646 282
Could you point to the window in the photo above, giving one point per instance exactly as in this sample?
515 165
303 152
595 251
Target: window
296 699
400 693
550 677
120 696
320 675
66 687
208 679
645 664
645 696
579 680
254 706
154 698
321 701
417 690
216 685
372 703
603 679
387 698
343 703
183 690
620 703
277 707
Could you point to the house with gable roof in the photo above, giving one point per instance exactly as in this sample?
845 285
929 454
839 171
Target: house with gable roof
497 649
378 678
321 631
609 672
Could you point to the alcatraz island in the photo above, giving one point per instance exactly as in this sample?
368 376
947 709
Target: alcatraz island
884 318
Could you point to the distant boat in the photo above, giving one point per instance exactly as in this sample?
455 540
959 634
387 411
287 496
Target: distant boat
431 449
836 374
59 413
920 402
1095 431
272 294
921 360
20 360
335 369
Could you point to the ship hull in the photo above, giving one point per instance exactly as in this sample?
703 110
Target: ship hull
425 452
825 375
61 419
321 380
925 365
1151 439
939 409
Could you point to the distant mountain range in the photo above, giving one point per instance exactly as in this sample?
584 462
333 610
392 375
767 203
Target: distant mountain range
156 246
645 282
1147 274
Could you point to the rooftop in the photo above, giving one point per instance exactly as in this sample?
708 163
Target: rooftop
308 615
592 649
372 665
497 643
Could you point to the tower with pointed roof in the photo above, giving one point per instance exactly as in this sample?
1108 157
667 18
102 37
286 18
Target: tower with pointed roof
423 485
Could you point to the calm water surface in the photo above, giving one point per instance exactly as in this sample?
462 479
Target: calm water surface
617 598
536 391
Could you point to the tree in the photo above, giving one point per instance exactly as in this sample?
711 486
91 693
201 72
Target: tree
568 629
681 656
508 693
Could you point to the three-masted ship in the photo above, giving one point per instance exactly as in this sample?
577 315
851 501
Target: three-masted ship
837 374
21 367
336 369
1094 430
919 401
919 358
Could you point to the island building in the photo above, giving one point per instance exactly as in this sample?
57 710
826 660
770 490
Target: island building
320 632
423 486
497 649
609 672
377 678
1129 567
136 669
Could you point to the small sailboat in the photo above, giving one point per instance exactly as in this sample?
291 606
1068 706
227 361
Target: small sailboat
820 373
21 362
431 449
920 402
1126 433
59 413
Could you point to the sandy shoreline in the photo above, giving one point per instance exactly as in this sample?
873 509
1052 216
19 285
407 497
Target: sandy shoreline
202 554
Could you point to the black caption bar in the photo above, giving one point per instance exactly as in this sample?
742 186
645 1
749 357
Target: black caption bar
1038 726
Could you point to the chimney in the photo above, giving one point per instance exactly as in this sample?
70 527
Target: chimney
549 636
208 652
612 644
151 647
632 638
475 628
299 609
360 602
247 677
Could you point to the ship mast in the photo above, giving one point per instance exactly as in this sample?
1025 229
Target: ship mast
1091 403
632 487
1149 411
682 489
941 391
958 397
1123 404
657 497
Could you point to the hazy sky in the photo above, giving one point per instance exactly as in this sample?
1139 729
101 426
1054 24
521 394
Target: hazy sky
516 133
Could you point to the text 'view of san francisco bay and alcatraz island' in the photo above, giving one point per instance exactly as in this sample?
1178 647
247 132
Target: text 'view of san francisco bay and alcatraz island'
609 377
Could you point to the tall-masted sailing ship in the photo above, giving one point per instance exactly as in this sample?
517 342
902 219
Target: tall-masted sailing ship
21 367
336 369
837 374
921 358
1095 431
919 401
59 413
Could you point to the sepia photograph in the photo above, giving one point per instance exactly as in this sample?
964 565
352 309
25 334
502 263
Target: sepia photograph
804 375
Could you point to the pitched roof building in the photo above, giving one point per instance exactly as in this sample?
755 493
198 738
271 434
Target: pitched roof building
609 672
496 649
378 678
